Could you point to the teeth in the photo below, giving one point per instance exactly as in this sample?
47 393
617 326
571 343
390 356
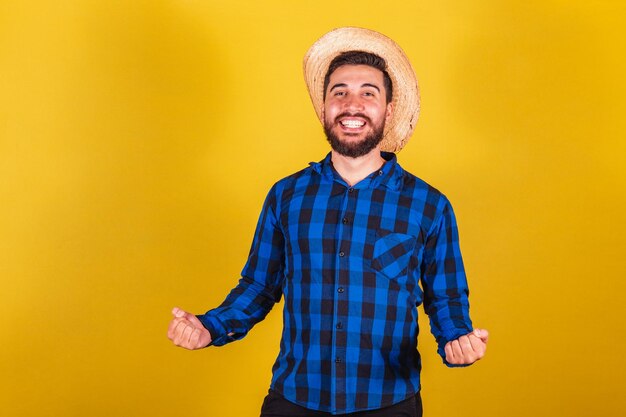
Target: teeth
352 123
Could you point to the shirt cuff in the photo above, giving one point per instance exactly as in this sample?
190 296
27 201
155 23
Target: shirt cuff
219 336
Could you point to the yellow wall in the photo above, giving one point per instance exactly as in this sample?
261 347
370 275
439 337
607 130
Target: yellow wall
138 140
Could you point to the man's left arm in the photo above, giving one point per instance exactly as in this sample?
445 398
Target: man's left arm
446 293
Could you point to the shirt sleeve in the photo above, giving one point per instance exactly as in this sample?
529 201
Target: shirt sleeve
444 281
260 286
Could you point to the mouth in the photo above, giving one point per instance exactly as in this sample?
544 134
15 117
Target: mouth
352 123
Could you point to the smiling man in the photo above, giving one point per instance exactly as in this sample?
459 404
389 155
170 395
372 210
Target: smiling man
354 244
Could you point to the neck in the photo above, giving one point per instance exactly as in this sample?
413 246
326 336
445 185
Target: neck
353 170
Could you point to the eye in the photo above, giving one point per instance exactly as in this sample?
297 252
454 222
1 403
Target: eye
339 93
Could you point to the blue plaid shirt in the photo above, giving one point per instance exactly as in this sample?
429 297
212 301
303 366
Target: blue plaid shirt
349 262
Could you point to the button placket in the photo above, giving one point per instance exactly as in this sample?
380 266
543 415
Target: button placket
345 221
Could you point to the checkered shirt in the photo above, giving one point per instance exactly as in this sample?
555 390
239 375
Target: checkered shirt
353 263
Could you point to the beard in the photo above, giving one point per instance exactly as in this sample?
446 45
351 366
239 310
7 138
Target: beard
356 149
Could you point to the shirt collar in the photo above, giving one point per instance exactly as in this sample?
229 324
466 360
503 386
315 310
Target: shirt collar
389 175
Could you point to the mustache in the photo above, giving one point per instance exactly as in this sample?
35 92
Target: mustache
348 114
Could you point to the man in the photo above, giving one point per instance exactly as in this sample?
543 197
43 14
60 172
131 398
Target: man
347 242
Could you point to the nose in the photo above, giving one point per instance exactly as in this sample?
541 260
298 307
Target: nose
353 103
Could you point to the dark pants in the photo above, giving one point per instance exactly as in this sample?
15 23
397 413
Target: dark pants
275 405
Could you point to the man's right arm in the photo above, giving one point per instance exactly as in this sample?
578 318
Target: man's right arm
259 288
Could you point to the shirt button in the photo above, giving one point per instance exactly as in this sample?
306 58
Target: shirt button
340 289
380 172
339 326
341 254
338 359
344 220
350 190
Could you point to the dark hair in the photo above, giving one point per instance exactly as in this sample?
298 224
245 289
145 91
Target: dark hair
360 58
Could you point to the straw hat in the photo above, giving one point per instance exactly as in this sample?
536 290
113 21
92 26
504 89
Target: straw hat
406 99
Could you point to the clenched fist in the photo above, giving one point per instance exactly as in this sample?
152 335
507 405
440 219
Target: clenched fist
467 349
187 331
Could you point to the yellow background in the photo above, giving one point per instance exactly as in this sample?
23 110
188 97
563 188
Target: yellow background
138 140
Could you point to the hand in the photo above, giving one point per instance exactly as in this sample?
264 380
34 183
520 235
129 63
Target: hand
187 331
467 349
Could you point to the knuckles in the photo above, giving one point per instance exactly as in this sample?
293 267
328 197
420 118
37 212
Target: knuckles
184 334
465 350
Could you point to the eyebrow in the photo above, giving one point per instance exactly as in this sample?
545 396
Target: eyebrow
371 85
338 85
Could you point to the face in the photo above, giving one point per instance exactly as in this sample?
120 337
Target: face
355 110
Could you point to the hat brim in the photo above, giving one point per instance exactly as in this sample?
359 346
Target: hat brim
405 99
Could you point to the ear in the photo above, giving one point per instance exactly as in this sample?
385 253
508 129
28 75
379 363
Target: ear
389 111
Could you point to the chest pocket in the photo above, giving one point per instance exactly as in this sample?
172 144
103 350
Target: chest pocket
392 252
